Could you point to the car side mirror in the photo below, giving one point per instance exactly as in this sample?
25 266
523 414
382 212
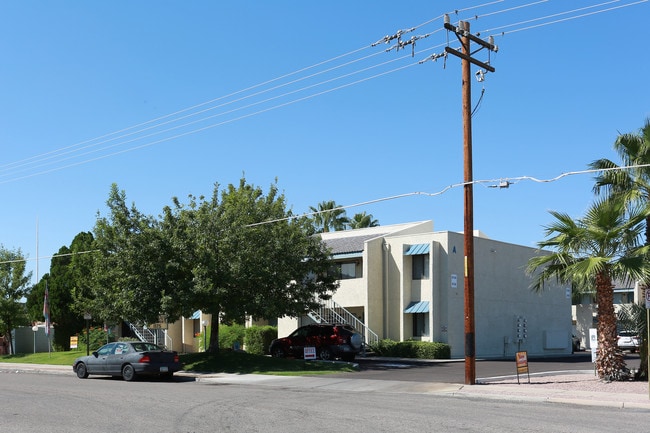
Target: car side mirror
96 355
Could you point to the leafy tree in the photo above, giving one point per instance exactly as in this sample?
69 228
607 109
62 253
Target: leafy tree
602 246
13 287
250 257
130 267
633 184
362 220
239 253
328 216
61 282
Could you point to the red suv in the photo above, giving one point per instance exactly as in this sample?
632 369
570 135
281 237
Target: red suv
330 341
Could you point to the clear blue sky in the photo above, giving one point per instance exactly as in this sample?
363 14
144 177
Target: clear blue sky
293 90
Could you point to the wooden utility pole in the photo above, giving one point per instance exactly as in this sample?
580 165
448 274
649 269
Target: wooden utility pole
463 34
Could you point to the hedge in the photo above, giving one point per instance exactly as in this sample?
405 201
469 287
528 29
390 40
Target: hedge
412 349
258 339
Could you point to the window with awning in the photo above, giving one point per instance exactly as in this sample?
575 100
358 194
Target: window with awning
417 307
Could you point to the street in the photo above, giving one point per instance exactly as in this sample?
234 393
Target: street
454 372
63 403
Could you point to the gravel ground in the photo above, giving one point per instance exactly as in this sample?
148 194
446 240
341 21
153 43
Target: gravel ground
575 382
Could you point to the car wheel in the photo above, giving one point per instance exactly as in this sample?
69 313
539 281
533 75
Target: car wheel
82 372
278 352
326 354
128 372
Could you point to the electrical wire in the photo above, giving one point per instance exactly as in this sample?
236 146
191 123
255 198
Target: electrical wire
492 183
168 118
563 19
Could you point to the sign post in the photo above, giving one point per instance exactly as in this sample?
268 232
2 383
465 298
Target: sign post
521 358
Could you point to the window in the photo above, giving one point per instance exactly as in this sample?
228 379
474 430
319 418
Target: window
420 266
420 324
347 270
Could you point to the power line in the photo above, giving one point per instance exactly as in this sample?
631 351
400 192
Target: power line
502 182
67 154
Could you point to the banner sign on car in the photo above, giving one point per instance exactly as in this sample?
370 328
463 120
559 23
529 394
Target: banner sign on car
309 352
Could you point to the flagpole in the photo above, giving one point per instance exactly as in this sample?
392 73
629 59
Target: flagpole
36 250
46 315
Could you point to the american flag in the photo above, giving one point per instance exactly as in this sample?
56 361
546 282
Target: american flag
46 310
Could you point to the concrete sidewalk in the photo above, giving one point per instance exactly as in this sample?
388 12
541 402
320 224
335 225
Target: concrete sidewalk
566 387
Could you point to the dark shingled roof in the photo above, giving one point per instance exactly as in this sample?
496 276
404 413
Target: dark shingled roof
351 244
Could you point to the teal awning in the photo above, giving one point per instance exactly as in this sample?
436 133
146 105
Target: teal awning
417 249
341 256
417 307
196 315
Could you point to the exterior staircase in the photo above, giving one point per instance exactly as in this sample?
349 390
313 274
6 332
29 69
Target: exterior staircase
331 312
156 336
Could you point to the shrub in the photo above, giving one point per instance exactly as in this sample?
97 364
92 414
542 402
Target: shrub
413 349
231 334
258 339
97 336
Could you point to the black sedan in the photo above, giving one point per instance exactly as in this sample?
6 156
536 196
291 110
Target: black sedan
128 359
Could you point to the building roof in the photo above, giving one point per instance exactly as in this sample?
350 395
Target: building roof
351 244
352 241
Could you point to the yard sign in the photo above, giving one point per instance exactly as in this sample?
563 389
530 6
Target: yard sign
521 359
309 352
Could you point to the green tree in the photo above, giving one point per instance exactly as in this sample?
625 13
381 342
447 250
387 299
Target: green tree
13 287
596 249
328 216
632 183
362 220
129 280
61 282
250 257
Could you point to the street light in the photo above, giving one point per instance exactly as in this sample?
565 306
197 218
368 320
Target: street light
35 329
205 335
87 318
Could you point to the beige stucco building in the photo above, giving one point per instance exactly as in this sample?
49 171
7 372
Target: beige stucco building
406 281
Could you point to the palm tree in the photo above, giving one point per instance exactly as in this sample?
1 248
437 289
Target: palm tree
329 216
362 220
601 247
634 185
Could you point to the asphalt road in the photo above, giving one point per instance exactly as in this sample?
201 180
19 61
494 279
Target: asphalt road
64 404
454 371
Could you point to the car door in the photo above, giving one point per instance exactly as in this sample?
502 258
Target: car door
115 359
298 340
97 362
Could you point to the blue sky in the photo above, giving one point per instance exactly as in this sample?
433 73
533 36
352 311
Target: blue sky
168 98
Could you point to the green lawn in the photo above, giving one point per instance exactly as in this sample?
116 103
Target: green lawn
225 362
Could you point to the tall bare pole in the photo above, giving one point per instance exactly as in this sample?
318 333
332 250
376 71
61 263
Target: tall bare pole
470 340
466 38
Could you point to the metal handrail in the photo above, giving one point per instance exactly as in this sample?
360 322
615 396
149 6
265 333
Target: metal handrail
331 312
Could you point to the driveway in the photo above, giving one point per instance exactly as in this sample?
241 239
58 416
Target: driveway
453 371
